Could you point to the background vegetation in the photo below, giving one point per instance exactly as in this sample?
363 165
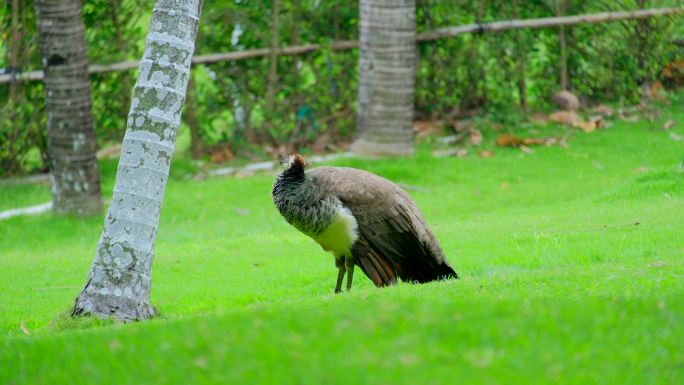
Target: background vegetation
313 103
570 261
570 255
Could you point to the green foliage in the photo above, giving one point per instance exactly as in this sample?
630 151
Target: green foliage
558 283
111 37
315 93
606 61
22 115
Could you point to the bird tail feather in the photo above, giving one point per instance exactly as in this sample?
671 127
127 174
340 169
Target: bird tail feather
445 271
377 269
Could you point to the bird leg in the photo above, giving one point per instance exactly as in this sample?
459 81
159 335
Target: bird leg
340 277
349 265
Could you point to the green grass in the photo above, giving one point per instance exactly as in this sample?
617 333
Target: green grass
559 282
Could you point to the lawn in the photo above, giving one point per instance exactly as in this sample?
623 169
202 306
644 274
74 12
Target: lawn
571 263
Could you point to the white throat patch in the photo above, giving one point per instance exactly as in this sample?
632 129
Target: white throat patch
339 237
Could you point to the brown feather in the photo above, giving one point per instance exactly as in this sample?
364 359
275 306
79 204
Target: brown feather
394 239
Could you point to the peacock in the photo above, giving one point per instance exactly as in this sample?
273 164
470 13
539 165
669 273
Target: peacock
363 220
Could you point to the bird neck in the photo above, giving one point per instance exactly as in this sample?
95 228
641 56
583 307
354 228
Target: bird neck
293 174
289 183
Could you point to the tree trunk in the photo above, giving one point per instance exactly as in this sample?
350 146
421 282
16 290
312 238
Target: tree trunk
71 139
521 61
387 77
119 281
559 9
272 85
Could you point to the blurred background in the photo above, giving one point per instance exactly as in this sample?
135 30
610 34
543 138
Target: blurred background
254 107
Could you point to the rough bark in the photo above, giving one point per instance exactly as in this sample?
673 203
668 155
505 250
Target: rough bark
71 139
387 77
119 281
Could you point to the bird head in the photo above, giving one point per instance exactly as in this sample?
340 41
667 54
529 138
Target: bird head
293 162
293 174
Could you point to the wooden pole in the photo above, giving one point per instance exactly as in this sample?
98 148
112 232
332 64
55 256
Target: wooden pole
442 33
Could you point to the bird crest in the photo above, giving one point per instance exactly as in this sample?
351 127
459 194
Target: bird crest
294 161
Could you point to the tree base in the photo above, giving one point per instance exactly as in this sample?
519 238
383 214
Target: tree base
112 306
89 206
365 147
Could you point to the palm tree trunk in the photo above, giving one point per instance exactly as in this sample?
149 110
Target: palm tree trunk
387 77
71 139
119 281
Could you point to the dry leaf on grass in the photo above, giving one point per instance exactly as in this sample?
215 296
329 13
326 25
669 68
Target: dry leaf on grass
524 144
475 137
506 140
486 154
603 110
569 118
592 124
427 128
676 137
461 125
669 124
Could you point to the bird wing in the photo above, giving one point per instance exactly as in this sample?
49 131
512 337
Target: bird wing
393 236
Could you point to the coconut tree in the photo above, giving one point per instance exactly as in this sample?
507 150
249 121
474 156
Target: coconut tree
71 139
119 281
387 77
